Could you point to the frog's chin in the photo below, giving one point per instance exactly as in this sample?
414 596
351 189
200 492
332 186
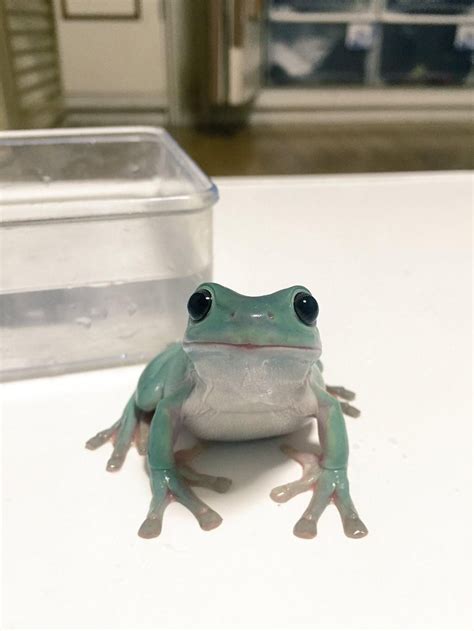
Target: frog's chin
247 346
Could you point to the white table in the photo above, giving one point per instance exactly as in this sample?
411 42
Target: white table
388 258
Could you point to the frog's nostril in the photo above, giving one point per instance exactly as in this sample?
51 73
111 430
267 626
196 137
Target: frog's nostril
270 315
232 314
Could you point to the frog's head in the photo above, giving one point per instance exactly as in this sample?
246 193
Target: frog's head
286 318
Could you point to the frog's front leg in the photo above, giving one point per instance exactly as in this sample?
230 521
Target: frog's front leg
134 423
325 475
170 479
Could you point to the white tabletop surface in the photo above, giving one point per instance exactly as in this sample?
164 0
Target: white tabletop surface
389 259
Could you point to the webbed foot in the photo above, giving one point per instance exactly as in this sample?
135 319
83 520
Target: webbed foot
311 470
132 426
169 484
173 484
327 486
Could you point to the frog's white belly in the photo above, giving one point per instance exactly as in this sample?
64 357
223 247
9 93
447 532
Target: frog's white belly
242 394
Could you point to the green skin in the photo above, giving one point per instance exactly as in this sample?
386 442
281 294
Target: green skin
239 324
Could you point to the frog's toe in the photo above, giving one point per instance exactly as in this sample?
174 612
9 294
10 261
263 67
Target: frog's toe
354 528
222 485
141 437
121 433
281 493
305 528
285 492
97 441
102 437
218 484
341 392
209 519
153 523
349 410
116 461
151 527
311 469
215 483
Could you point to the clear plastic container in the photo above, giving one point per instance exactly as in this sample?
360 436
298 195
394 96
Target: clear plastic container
104 234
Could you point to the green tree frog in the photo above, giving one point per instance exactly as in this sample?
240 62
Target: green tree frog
248 367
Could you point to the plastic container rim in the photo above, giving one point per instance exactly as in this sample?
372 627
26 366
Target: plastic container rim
16 212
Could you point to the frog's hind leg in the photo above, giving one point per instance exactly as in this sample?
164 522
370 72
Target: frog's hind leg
215 483
121 433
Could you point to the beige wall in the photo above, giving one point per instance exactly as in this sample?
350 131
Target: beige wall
106 61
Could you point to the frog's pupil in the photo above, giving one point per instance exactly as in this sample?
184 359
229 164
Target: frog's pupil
199 304
306 308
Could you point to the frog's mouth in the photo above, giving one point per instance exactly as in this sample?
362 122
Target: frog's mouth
250 347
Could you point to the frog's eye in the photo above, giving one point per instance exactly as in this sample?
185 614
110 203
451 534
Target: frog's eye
199 304
306 308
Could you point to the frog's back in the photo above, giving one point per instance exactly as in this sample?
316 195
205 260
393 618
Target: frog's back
242 393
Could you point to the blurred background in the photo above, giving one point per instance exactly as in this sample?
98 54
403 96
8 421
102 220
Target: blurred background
252 87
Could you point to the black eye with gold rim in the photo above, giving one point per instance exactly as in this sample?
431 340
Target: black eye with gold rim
306 308
199 305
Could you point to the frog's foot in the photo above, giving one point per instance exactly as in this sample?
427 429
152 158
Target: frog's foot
130 426
311 470
169 484
327 486
343 396
216 483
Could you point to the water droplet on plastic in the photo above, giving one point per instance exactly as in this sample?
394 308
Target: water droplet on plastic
35 314
127 336
132 308
99 312
85 322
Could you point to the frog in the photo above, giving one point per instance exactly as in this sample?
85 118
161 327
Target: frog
248 367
